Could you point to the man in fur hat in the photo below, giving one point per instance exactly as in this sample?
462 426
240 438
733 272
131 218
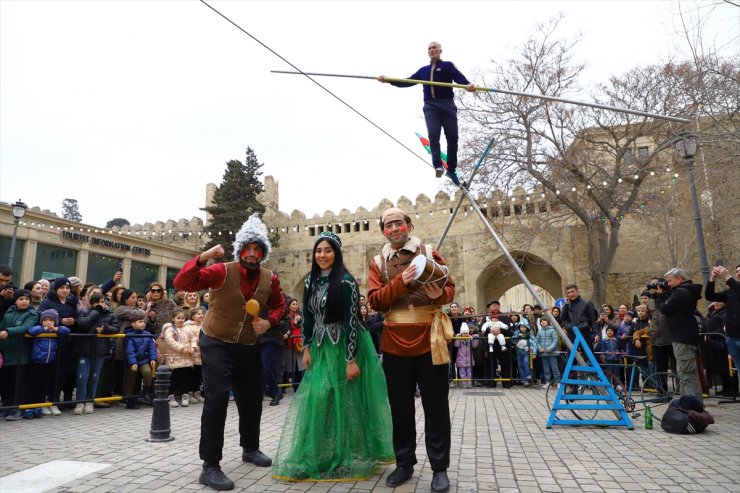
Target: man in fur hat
231 358
414 346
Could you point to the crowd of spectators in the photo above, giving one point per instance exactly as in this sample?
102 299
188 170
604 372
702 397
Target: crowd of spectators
54 350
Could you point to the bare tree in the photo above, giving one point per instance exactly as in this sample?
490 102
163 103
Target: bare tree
592 163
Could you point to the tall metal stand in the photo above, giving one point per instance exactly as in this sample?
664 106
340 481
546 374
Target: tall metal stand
512 262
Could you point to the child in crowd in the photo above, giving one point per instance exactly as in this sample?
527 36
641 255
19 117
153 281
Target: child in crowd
193 327
609 352
464 360
640 342
141 357
525 345
16 321
178 355
43 356
625 330
624 335
547 343
92 350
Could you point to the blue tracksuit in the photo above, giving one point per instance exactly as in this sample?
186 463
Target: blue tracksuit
439 108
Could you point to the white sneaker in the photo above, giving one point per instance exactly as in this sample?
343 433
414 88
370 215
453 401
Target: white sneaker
199 396
89 408
45 411
546 385
79 409
185 400
55 411
173 402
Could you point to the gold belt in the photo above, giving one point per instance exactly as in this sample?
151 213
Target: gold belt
441 328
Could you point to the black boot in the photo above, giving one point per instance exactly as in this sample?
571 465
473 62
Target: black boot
148 398
257 458
399 476
213 477
132 403
440 482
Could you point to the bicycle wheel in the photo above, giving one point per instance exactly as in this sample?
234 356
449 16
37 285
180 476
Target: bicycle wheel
658 390
582 414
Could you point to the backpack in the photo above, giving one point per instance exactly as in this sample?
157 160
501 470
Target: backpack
686 416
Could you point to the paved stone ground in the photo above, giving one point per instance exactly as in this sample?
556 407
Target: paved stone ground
499 444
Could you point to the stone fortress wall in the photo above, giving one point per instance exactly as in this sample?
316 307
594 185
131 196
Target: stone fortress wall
550 260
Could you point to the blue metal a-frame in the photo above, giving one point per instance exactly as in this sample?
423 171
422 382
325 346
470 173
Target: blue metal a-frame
598 393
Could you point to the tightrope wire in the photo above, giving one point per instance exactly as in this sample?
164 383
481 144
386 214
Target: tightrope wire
315 82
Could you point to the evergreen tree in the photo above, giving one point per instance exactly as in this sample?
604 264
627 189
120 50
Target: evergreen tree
71 210
234 201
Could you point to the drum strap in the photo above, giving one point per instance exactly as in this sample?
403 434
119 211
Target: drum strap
380 261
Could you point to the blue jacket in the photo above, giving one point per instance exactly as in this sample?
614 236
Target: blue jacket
610 348
547 338
443 72
531 343
45 348
140 350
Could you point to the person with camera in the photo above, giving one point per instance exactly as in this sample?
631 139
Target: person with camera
660 335
6 289
678 302
731 296
159 310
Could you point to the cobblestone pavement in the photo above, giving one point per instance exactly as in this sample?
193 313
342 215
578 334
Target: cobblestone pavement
499 443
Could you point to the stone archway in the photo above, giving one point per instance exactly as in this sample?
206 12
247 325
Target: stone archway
498 277
297 290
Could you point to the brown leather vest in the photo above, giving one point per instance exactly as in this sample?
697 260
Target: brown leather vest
227 318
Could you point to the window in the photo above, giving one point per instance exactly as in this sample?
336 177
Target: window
170 284
142 275
643 153
17 256
100 268
53 262
627 157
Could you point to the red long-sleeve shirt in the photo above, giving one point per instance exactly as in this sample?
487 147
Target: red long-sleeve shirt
195 276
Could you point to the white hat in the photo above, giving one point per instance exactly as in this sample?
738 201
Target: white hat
252 231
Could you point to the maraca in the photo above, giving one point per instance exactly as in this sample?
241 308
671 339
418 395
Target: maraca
253 308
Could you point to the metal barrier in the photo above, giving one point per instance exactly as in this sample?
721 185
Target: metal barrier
729 379
65 355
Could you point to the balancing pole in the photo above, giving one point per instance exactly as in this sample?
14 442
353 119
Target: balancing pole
502 91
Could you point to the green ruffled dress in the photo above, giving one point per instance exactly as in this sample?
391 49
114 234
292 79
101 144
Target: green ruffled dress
336 430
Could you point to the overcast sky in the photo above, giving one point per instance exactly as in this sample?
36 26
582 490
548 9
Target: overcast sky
131 107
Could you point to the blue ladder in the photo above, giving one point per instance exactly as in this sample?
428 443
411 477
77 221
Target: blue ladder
587 402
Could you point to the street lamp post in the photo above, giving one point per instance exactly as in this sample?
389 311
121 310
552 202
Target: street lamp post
686 149
19 210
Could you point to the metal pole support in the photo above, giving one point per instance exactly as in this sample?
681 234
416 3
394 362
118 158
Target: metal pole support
160 430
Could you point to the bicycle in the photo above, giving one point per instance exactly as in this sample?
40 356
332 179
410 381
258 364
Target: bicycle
658 390
585 388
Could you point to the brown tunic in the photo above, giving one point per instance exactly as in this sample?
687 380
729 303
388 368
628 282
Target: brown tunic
390 293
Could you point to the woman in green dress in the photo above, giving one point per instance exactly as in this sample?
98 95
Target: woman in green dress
338 426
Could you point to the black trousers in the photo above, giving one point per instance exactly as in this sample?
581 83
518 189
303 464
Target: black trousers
402 374
227 367
40 382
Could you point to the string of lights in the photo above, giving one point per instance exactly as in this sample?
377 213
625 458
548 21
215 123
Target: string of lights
500 204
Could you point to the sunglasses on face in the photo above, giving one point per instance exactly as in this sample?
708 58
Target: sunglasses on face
155 290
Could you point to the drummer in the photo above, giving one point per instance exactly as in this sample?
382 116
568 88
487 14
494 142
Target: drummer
414 346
